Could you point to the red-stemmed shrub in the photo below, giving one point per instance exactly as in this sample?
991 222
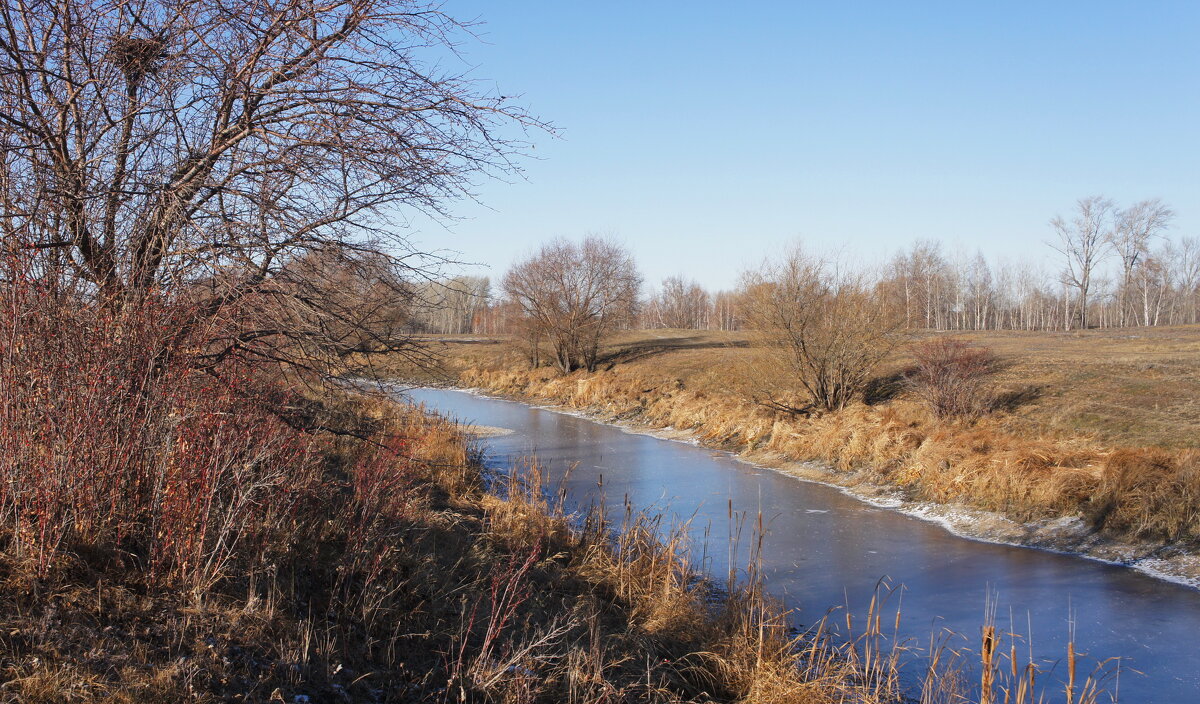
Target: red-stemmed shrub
115 438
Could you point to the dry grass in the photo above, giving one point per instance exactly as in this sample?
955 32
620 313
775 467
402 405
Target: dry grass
318 618
1136 387
897 443
681 636
382 570
433 590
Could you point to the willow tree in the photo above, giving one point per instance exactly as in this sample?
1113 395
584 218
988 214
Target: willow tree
234 153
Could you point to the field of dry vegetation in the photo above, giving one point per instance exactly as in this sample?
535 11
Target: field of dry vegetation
171 532
204 232
174 533
1101 424
168 537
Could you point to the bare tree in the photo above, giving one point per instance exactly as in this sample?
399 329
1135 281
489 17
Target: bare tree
920 278
1084 242
1135 227
451 306
980 294
1186 272
161 145
964 293
823 332
321 311
724 314
1151 281
572 296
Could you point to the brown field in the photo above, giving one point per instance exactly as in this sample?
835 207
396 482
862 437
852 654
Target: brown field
1129 387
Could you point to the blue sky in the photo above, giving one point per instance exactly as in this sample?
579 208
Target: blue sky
708 135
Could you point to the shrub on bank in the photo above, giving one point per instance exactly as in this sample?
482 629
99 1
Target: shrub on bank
111 440
952 377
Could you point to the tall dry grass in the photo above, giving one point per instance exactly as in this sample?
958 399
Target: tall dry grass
1151 493
732 641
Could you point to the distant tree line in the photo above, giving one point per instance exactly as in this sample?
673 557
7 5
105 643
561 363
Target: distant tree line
1112 267
1106 266
681 303
452 306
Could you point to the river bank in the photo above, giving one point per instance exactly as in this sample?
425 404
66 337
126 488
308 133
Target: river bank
407 581
888 461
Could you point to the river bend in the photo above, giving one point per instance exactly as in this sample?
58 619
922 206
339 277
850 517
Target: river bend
825 548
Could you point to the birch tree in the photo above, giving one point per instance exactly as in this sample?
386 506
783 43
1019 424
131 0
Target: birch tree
1083 241
1130 238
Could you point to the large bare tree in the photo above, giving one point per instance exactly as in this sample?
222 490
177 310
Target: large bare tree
1130 238
572 296
823 332
153 146
1185 264
1083 242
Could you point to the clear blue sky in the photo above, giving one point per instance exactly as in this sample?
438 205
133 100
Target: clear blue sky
707 135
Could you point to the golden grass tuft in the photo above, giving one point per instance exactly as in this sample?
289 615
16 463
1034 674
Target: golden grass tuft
1151 493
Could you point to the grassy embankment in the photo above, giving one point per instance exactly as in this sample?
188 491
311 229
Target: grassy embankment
168 534
1101 424
391 575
